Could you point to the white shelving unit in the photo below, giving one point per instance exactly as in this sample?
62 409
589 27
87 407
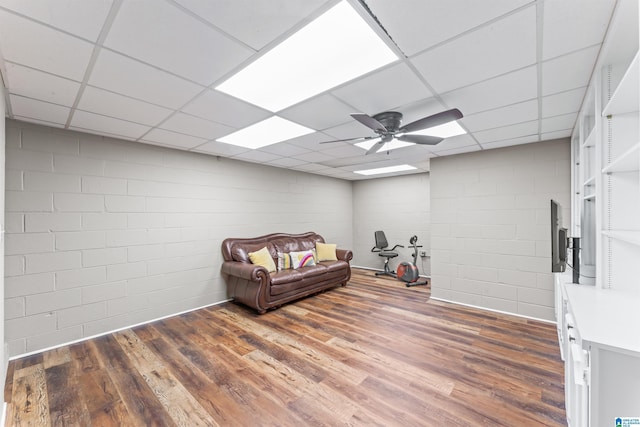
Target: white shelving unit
598 324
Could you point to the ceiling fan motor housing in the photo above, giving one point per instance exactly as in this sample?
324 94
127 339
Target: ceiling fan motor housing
390 120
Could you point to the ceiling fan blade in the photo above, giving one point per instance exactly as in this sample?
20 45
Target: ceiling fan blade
431 121
363 138
369 122
375 147
420 139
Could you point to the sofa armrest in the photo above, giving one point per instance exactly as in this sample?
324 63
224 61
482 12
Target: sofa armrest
344 254
243 270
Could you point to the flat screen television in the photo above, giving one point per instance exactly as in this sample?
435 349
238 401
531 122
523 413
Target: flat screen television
559 240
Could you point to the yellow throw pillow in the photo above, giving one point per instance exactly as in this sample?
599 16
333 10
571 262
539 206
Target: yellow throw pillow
263 258
326 251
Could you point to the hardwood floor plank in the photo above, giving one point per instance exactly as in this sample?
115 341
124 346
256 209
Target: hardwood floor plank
372 353
30 400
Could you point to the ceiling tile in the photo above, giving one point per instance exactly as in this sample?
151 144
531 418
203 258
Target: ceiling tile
569 71
221 108
190 125
256 156
173 139
508 132
511 114
510 142
559 123
99 123
82 18
511 88
174 41
121 107
34 109
319 113
286 162
454 143
123 75
284 149
39 85
392 87
25 42
254 23
556 135
570 25
563 103
219 148
341 149
313 156
492 50
418 24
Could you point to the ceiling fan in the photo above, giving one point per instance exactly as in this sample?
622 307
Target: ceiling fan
387 127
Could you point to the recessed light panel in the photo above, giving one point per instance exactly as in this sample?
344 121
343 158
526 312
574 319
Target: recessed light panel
336 47
389 169
391 145
266 132
446 130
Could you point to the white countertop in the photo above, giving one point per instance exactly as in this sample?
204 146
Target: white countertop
606 317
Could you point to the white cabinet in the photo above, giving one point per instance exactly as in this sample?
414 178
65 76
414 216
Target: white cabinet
601 349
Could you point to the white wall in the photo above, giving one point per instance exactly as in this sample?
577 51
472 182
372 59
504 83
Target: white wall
3 355
491 226
399 206
103 234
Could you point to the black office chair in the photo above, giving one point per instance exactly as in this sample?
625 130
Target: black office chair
382 249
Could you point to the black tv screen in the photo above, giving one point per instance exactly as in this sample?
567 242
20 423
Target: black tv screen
558 240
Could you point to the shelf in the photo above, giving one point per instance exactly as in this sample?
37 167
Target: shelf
591 140
590 182
629 236
628 161
589 197
625 97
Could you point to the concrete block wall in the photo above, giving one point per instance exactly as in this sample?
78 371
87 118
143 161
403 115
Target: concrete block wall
400 207
103 233
490 234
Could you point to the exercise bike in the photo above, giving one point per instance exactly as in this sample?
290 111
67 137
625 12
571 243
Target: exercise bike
408 271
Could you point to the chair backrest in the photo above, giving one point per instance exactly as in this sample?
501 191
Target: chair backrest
381 240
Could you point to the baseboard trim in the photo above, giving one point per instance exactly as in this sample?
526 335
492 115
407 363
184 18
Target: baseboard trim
31 353
495 311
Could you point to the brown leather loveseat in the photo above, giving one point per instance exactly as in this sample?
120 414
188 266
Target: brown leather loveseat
256 287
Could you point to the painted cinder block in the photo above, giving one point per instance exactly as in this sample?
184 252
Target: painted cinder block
30 325
28 243
77 165
29 284
19 201
103 185
54 182
54 261
14 307
107 256
104 221
53 221
52 301
73 240
67 202
67 279
103 292
81 314
50 140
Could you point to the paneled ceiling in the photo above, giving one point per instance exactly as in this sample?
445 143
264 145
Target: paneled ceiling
146 71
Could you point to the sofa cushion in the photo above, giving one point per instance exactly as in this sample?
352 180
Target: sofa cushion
263 258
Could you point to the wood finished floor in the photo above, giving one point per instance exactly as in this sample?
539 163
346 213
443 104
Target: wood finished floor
373 353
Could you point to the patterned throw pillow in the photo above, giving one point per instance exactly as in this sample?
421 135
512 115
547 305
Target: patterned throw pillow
284 261
302 259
